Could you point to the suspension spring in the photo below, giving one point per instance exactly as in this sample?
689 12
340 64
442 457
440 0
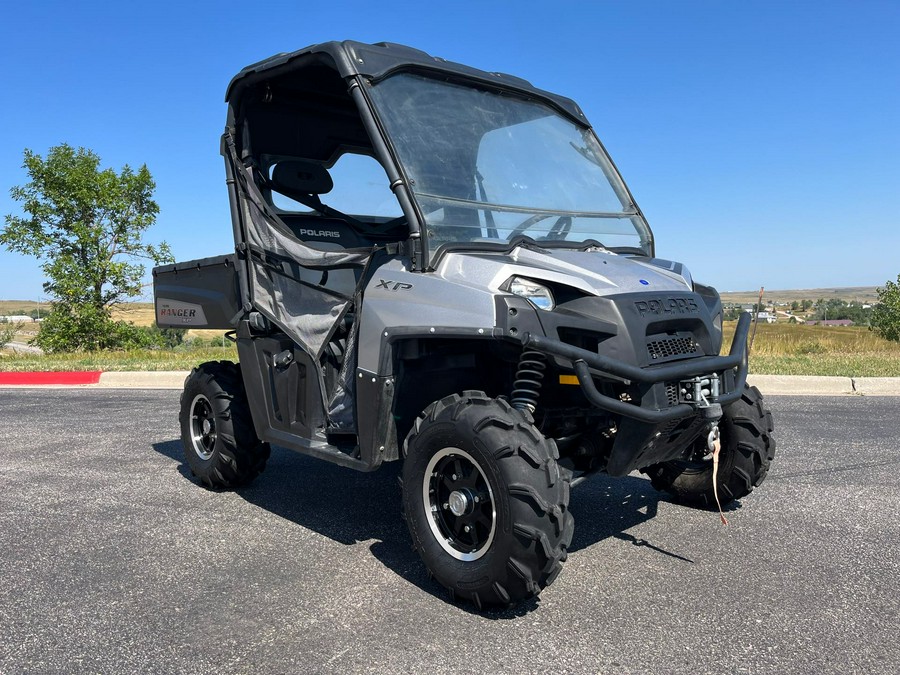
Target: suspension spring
529 379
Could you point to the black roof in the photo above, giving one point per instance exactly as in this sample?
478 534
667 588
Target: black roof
378 60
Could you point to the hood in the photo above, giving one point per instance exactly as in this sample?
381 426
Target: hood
595 271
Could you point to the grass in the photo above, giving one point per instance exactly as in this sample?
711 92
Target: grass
848 351
183 358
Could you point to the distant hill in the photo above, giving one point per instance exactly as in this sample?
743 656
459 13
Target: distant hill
863 294
140 313
17 307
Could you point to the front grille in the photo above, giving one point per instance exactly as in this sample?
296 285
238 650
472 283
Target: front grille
584 339
669 347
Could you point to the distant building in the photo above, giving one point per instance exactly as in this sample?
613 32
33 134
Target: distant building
21 318
765 317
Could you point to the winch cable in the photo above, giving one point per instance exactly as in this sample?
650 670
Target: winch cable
716 444
714 441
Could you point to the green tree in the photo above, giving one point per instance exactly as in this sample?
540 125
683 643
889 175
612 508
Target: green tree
885 319
821 309
86 225
836 309
8 331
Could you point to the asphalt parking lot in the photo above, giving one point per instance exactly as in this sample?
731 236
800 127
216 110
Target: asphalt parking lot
113 560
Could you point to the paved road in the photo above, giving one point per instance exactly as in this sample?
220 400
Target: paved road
113 560
23 347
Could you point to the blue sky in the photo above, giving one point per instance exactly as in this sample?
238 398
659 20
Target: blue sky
761 139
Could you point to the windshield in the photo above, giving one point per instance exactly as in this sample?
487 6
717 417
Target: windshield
486 167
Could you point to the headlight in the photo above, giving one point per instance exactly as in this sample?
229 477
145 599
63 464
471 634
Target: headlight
539 296
717 327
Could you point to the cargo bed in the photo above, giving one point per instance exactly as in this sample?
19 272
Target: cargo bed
200 293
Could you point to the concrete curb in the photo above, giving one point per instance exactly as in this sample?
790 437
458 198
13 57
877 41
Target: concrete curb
154 379
158 379
814 385
774 385
804 385
877 386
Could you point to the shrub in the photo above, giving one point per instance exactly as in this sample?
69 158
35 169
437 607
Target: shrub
68 329
8 331
886 314
814 347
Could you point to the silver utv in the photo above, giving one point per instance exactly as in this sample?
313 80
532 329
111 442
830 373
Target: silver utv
442 265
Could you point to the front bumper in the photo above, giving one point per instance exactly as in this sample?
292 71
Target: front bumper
730 371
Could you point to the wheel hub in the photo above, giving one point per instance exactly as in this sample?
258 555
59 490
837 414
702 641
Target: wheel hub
203 427
461 502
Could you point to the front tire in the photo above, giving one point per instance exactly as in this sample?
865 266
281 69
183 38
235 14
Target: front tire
485 500
220 444
746 454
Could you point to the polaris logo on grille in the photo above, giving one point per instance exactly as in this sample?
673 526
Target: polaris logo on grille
319 233
667 306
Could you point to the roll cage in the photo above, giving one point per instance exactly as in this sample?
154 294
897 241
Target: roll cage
327 87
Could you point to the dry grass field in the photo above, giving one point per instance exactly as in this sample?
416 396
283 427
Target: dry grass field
142 314
138 313
20 307
793 349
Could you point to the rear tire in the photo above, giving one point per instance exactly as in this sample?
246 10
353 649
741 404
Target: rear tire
746 454
220 444
485 500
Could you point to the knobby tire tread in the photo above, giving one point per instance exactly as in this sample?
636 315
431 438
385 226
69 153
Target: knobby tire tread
535 489
748 449
239 456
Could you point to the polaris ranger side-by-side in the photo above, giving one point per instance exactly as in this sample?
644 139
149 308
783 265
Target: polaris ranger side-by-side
492 312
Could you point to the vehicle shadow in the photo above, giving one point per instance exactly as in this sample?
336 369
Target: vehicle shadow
344 505
174 450
350 507
606 507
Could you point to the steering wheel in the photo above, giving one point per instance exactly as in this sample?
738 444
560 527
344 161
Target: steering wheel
561 228
562 225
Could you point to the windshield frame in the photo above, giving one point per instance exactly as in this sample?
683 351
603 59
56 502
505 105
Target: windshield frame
432 254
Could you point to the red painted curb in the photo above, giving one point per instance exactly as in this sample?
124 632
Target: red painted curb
54 378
